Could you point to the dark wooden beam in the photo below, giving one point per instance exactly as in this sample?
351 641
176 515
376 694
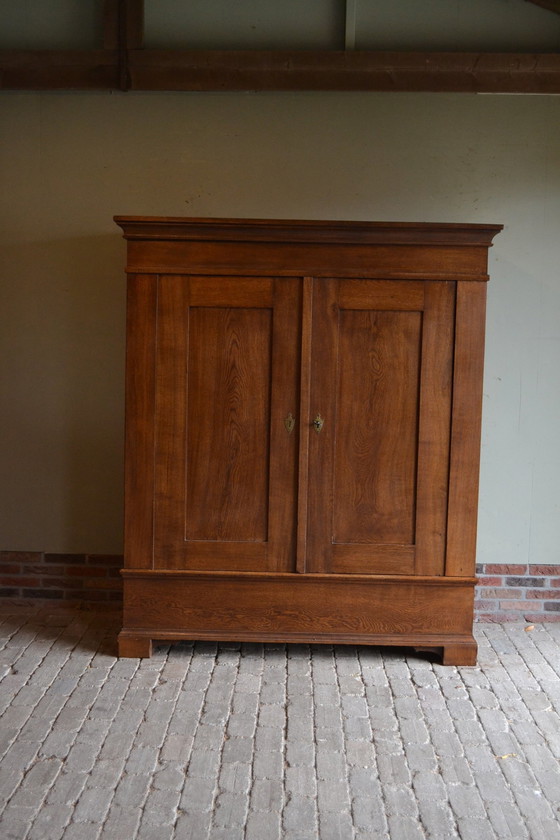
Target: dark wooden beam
123 24
133 23
551 5
123 30
258 70
59 69
124 64
111 24
103 69
344 71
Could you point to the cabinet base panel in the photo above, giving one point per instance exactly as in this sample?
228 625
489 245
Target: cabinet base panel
459 652
423 613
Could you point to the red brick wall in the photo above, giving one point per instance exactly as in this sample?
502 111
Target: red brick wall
517 592
505 592
27 577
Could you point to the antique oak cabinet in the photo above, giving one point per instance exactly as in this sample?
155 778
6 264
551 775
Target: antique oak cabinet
303 431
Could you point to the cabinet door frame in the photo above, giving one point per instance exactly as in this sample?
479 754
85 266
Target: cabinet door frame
425 555
177 294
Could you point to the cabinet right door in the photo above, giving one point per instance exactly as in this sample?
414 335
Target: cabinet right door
381 367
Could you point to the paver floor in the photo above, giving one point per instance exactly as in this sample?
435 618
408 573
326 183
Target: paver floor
261 742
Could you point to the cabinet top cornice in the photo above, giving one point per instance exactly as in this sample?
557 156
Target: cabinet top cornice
320 231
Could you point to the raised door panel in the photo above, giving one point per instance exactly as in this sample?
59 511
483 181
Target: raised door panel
227 374
381 358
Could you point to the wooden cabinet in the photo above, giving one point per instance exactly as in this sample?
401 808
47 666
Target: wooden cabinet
302 431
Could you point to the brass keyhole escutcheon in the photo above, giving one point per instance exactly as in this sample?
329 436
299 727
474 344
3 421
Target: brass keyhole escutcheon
289 423
318 423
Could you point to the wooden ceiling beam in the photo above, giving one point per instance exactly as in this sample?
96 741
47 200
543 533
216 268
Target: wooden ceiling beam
59 69
123 24
344 71
551 5
124 64
260 70
123 29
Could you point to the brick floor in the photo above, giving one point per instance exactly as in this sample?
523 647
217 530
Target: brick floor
274 742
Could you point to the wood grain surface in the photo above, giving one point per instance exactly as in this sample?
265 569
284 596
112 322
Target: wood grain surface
376 426
228 374
228 418
356 522
140 421
324 609
465 428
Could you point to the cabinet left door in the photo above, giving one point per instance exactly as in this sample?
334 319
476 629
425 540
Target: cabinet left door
226 387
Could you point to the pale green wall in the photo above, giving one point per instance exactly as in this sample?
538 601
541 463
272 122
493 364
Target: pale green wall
71 161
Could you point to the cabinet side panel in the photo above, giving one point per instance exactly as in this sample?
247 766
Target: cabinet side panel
465 428
139 434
